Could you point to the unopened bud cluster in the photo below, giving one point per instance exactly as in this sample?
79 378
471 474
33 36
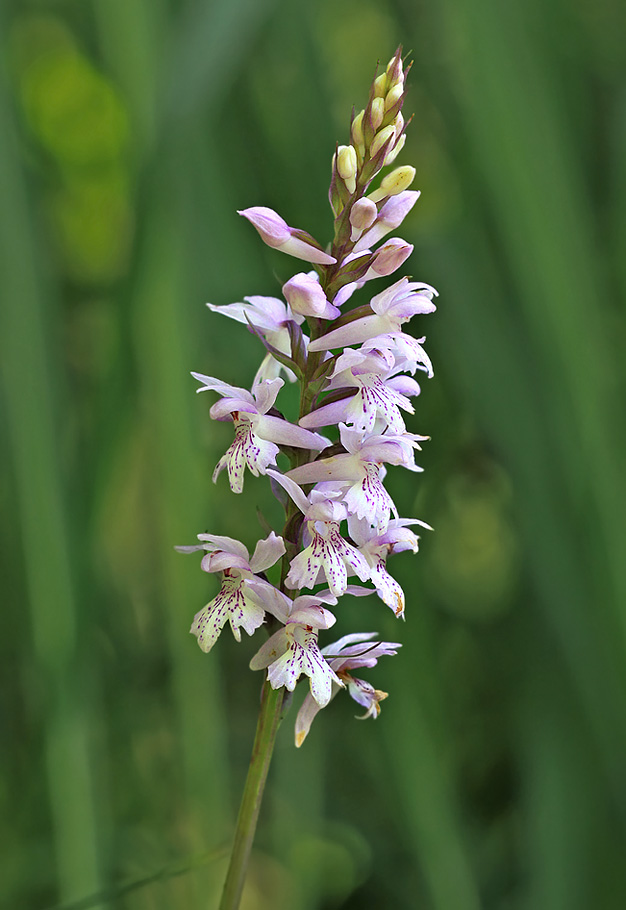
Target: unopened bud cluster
355 368
377 136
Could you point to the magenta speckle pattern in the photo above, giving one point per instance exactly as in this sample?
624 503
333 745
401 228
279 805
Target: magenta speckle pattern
330 553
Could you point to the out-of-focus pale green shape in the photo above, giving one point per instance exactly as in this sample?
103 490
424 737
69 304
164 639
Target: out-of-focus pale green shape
474 556
81 123
74 111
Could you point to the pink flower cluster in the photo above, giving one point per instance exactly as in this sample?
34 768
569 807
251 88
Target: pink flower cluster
356 369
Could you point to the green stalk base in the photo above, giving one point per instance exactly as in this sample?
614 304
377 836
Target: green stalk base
265 737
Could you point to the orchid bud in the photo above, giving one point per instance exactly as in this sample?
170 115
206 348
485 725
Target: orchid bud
393 96
391 255
357 133
381 138
397 207
306 297
363 214
394 71
275 232
378 112
399 180
395 151
380 86
395 182
390 216
273 229
347 166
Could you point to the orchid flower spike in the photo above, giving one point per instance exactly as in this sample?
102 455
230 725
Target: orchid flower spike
354 369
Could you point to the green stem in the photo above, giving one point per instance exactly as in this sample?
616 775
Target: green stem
267 727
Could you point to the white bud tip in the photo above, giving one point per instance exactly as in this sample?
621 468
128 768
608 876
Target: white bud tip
378 112
382 138
380 85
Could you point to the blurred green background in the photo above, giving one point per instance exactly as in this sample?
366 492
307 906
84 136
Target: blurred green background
132 130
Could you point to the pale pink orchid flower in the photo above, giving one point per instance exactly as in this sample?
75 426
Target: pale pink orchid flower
275 232
350 652
293 650
378 393
387 259
396 538
234 602
390 310
408 352
258 434
326 552
360 469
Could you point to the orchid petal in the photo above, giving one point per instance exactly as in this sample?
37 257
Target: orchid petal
213 542
390 216
307 600
267 313
226 407
289 434
222 388
306 715
352 638
269 651
209 622
313 615
266 553
300 249
367 696
270 598
327 415
305 296
271 368
404 385
220 560
292 488
230 604
266 392
275 232
338 467
247 449
351 333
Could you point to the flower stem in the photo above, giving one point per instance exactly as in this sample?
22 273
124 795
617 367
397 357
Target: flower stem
265 737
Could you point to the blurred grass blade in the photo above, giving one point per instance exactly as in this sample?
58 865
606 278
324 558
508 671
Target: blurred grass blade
36 419
207 54
419 751
560 374
181 867
179 473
